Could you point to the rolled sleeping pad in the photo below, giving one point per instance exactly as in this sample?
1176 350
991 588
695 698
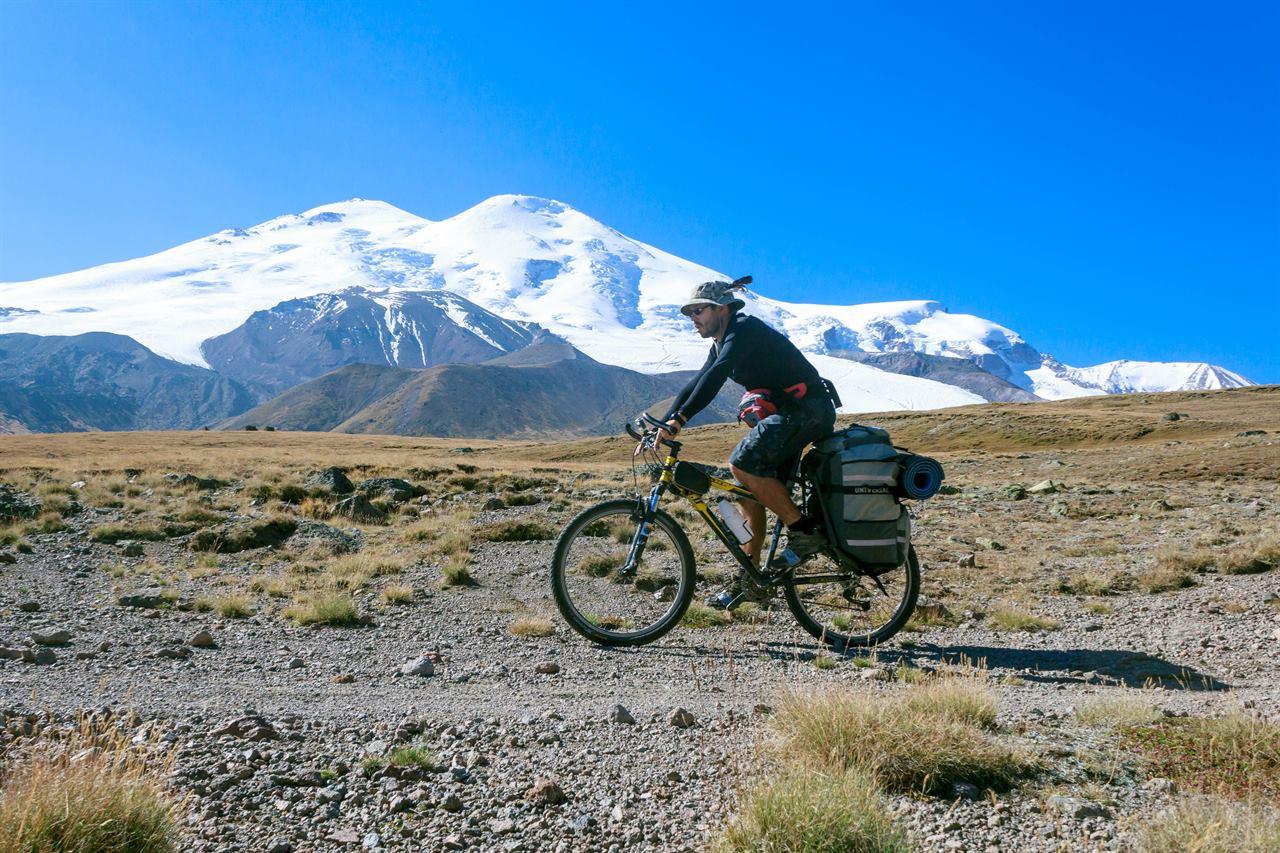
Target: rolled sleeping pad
921 477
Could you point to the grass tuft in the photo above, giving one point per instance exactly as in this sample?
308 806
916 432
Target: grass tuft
1207 825
922 741
397 593
516 531
1234 756
1164 578
1117 711
457 571
336 610
823 813
531 626
91 793
1013 619
701 616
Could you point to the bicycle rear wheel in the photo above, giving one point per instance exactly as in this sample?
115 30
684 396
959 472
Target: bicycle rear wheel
846 610
600 597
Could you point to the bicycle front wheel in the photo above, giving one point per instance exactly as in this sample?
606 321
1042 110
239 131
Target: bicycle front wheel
846 610
609 602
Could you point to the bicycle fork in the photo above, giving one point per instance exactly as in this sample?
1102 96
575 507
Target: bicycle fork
644 513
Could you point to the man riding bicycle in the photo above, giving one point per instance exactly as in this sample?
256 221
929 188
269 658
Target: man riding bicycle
786 405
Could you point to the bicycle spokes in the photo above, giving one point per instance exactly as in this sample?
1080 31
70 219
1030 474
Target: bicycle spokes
620 578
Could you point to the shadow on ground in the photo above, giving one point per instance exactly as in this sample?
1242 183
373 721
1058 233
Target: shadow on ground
1105 666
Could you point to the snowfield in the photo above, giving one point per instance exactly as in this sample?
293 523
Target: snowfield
536 260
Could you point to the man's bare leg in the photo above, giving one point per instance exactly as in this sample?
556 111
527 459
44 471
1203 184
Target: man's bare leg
755 520
771 493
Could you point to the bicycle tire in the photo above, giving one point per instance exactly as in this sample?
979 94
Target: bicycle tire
578 620
840 641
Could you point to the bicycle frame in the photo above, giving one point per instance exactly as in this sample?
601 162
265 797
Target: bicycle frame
667 482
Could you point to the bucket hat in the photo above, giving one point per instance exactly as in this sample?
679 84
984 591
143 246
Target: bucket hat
716 293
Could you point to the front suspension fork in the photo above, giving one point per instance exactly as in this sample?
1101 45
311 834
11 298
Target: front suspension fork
645 510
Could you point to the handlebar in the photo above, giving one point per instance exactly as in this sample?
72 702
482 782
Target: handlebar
644 429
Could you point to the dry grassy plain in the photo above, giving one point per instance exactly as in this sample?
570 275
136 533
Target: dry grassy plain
1108 614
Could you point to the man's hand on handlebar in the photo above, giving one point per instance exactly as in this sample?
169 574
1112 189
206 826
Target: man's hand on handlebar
670 430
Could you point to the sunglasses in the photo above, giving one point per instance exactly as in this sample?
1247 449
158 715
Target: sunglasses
697 312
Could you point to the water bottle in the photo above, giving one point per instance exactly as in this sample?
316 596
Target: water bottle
731 515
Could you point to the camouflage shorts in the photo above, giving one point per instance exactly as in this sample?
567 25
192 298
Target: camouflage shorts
778 439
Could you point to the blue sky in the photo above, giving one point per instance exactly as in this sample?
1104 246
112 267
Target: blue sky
1103 178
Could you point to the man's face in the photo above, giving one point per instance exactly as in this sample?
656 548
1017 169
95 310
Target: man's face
709 319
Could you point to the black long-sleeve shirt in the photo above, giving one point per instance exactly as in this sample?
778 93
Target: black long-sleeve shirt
754 355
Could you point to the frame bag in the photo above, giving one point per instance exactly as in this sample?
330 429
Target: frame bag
856 472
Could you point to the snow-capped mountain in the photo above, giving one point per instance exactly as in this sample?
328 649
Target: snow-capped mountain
301 339
532 260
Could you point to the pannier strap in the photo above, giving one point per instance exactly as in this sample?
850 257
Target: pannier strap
870 543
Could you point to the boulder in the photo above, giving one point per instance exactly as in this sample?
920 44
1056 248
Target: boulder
54 638
545 793
251 727
16 504
418 666
390 488
359 509
334 479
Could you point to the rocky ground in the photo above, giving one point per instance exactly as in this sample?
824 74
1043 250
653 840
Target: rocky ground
286 737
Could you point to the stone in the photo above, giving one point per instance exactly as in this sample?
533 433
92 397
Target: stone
311 534
875 673
41 656
681 718
333 478
1044 487
142 598
29 606
451 804
358 508
1171 416
1250 432
493 503
928 608
965 791
56 638
989 544
968 561
1059 509
545 792
279 845
130 548
619 714
202 640
390 488
1013 492
371 841
251 727
203 484
1160 785
296 663
16 505
547 667
1077 807
174 652
343 678
502 826
420 666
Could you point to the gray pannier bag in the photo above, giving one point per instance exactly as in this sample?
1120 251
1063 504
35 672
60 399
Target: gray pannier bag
855 472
